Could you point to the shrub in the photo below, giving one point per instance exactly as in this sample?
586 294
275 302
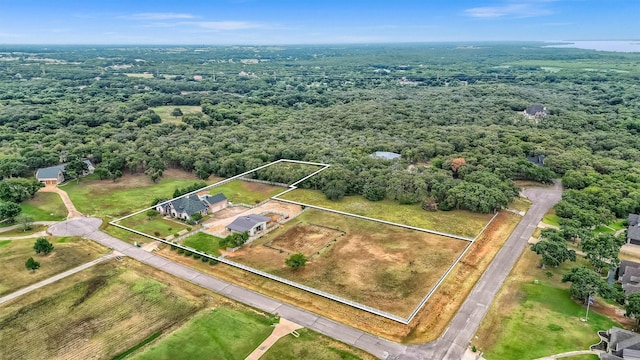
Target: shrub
204 259
157 233
213 261
187 253
180 251
196 256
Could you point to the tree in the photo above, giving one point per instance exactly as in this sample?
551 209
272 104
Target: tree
196 217
633 307
176 112
26 221
585 282
31 264
602 250
152 213
18 190
553 249
75 169
42 246
235 239
335 189
295 261
9 210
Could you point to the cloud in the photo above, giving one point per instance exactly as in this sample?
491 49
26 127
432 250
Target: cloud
517 10
158 16
226 25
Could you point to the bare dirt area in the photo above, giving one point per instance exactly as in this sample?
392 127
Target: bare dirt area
387 267
219 220
442 306
307 239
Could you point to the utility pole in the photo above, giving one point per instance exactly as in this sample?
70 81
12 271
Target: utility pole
589 302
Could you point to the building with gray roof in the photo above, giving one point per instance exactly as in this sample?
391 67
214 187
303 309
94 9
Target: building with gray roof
387 155
54 175
251 224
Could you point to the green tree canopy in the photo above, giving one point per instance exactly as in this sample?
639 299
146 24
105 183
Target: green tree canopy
42 246
296 261
553 249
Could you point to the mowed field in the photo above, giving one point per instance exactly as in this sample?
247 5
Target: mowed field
246 192
45 207
157 226
68 253
457 222
97 313
108 199
383 266
165 112
311 345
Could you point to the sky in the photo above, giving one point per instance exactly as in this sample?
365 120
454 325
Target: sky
273 22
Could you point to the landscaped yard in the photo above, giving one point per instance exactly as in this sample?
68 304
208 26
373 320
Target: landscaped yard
311 345
543 311
45 206
157 226
520 204
97 313
457 222
245 192
20 231
108 199
550 218
222 333
165 112
67 254
383 266
204 242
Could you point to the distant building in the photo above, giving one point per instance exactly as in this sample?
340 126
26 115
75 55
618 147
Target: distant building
535 111
629 276
537 159
386 155
54 175
184 207
251 224
633 232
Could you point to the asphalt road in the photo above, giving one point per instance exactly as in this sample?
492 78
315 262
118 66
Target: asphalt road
451 345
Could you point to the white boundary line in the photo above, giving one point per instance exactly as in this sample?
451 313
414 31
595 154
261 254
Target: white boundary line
292 187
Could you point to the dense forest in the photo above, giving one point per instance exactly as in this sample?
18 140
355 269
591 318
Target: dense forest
453 111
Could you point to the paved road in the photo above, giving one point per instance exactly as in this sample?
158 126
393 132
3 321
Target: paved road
451 345
13 227
54 278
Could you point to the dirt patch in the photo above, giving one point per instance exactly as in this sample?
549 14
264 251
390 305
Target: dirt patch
307 239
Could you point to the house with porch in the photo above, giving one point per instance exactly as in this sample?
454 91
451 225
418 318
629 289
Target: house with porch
54 175
620 344
251 224
186 206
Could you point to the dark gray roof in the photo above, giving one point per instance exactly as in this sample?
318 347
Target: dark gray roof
629 276
605 356
535 109
246 223
630 353
50 172
621 339
386 155
214 199
634 219
189 205
633 232
538 159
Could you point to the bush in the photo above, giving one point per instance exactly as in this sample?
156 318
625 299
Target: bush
156 233
213 261
187 253
196 256
173 247
180 251
204 259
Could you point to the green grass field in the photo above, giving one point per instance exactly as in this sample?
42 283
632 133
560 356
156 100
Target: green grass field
520 204
222 333
108 199
312 346
584 65
66 255
165 112
458 222
157 226
551 219
20 232
96 313
583 357
246 192
45 207
528 320
204 242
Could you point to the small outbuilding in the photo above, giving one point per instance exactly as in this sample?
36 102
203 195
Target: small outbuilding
535 111
54 175
387 155
251 224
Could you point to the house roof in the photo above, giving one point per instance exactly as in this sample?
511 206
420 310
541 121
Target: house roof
538 159
629 276
605 356
620 339
634 219
535 109
386 155
214 199
52 172
189 205
630 353
246 223
633 232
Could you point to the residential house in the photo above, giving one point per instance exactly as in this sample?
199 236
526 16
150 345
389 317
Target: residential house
54 175
629 276
620 344
386 155
537 159
186 206
633 232
251 224
535 111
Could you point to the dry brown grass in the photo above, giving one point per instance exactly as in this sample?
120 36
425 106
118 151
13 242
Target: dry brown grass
307 239
427 325
386 267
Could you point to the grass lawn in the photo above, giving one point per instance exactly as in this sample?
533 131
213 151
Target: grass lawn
312 346
158 226
45 207
246 192
165 112
550 218
383 266
140 75
97 313
68 254
221 333
520 204
204 242
458 222
108 199
20 232
583 357
544 312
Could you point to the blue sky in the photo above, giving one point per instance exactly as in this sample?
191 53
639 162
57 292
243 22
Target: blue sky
311 21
